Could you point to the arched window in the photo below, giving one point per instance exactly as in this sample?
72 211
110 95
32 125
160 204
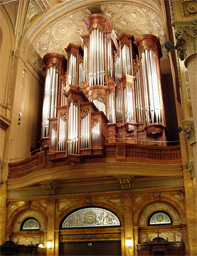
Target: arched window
90 217
159 218
30 224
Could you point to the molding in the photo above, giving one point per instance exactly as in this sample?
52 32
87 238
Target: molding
185 34
4 122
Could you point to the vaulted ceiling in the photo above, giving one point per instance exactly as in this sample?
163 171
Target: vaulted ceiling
50 25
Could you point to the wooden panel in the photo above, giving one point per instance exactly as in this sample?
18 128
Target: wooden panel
91 248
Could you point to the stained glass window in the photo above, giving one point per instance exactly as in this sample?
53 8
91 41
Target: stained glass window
159 218
30 224
90 217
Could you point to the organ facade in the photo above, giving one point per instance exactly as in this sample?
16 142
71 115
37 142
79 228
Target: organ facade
107 91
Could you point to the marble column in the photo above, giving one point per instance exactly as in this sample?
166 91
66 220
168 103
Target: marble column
186 46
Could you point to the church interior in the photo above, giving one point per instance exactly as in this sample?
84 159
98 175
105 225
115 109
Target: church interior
98 124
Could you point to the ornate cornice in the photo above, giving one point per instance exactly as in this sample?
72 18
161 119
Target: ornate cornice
185 34
190 131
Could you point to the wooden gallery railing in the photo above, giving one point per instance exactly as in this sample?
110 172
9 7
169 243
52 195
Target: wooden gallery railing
118 151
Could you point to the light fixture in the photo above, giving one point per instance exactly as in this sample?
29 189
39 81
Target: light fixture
49 244
181 130
129 243
169 46
40 245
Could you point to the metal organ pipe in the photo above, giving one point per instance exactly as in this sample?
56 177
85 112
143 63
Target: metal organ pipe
85 67
138 98
62 133
96 58
73 129
85 131
126 60
117 69
110 59
111 108
151 88
50 98
72 69
128 104
119 105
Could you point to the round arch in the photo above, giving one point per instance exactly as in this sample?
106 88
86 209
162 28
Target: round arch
23 213
155 206
90 216
110 206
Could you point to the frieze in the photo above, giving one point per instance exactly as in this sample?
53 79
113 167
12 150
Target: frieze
89 237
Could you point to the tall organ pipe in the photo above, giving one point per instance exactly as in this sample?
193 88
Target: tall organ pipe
96 51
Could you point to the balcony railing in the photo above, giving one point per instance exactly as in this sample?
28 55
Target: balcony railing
118 151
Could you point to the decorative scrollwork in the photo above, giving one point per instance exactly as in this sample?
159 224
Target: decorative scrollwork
84 113
63 116
185 34
95 122
75 102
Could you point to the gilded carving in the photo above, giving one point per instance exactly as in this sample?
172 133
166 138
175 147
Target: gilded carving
94 122
185 34
84 113
189 8
190 131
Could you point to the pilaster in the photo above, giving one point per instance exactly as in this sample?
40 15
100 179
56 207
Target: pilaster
129 250
3 211
190 212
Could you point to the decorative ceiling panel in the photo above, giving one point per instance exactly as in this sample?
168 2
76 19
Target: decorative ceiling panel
130 18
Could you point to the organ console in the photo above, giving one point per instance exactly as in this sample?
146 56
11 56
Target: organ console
109 92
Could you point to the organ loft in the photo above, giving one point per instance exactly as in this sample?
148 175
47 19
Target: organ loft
107 91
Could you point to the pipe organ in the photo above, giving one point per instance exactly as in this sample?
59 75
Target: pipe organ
109 92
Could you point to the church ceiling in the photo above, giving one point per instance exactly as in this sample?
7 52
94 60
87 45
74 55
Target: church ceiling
132 17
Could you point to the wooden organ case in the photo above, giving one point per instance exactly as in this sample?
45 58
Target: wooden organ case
109 92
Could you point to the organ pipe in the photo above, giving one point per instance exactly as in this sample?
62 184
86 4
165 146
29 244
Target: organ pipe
111 108
85 131
151 88
73 128
119 105
62 133
138 98
97 56
128 104
129 95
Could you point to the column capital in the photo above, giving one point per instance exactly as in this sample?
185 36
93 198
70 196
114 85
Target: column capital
190 131
185 34
191 168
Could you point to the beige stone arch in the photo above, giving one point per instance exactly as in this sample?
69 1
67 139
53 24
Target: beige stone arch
6 49
111 207
24 212
155 206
